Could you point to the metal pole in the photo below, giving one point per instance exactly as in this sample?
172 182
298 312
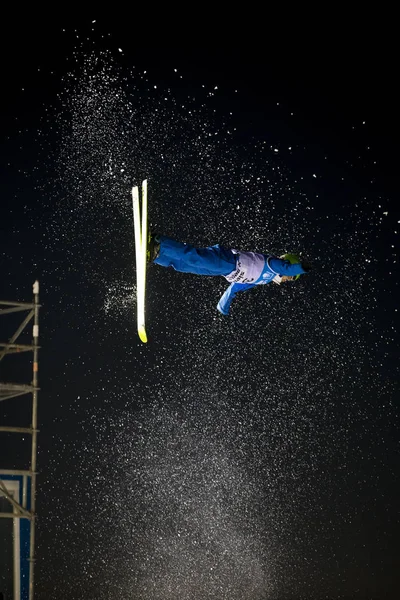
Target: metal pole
25 305
16 347
24 491
16 429
34 435
15 472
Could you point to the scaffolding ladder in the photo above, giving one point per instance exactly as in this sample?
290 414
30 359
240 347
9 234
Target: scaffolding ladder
18 486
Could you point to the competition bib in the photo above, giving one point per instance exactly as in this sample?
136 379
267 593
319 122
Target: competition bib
249 267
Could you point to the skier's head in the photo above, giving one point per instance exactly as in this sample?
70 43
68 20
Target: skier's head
294 260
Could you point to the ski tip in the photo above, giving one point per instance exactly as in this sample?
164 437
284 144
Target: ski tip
142 335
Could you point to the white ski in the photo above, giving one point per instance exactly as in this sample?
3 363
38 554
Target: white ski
140 227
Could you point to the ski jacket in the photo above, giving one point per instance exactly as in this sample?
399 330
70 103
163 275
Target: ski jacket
255 269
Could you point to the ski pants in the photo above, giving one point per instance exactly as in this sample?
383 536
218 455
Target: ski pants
214 260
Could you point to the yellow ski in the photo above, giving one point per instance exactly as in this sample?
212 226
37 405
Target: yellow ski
140 226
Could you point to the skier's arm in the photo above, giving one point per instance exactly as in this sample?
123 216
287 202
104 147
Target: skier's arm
284 267
229 294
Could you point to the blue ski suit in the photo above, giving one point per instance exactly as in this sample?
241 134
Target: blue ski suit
244 270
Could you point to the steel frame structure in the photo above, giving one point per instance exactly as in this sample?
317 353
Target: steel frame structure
11 391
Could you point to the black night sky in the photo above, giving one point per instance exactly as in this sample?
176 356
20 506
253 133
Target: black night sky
249 457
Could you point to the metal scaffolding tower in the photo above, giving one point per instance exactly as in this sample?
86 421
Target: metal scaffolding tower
17 486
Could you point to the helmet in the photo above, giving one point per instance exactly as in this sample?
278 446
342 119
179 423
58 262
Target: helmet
293 259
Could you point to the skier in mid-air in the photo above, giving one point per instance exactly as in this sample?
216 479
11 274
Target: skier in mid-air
243 270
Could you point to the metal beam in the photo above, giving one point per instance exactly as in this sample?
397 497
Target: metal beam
17 333
16 429
16 347
15 472
26 305
12 390
12 515
17 387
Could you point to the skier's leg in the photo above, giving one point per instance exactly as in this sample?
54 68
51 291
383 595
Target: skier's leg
214 260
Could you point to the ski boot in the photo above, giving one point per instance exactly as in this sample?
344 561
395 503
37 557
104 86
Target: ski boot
153 246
